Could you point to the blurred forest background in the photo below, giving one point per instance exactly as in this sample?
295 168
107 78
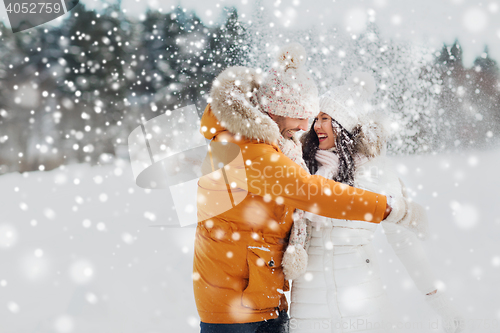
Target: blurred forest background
73 93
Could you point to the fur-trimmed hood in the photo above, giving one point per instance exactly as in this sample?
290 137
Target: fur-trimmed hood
372 139
233 103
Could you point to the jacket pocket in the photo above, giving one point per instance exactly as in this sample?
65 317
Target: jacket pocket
371 257
266 280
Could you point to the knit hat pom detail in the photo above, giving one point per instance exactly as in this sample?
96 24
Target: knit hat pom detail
364 82
288 89
292 56
294 262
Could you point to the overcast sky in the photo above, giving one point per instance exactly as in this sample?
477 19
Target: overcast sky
474 23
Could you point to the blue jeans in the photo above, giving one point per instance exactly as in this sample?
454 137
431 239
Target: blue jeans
278 325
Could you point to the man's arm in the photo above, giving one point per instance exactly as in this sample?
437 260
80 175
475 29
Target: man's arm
274 176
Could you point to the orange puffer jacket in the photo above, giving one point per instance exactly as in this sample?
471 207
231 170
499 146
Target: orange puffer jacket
237 273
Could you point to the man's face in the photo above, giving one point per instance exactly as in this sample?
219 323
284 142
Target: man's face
288 126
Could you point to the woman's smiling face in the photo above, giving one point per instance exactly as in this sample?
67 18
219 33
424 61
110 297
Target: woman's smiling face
324 130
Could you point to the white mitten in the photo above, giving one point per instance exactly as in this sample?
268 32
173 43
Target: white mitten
410 215
416 220
453 322
294 262
399 207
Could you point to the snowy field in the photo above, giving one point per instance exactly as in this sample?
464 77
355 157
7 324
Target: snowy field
83 249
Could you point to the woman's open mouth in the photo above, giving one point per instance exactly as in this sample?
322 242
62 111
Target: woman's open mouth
322 137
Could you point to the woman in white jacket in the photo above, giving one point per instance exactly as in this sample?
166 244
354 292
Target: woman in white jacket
341 290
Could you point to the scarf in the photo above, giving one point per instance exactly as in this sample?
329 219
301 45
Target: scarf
299 235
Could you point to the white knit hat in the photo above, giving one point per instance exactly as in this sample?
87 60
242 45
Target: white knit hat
288 90
347 103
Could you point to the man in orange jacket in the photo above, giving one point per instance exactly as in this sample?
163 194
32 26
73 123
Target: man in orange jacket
238 280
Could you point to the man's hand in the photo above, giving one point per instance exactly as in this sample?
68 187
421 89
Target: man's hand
388 210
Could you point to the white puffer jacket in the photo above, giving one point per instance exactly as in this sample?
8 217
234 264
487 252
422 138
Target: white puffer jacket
341 290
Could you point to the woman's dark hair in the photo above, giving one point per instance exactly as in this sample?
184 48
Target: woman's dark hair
345 148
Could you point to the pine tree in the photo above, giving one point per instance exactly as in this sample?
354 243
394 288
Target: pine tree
485 63
99 66
233 40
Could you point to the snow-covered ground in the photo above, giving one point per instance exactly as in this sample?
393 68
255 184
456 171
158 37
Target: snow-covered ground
83 249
